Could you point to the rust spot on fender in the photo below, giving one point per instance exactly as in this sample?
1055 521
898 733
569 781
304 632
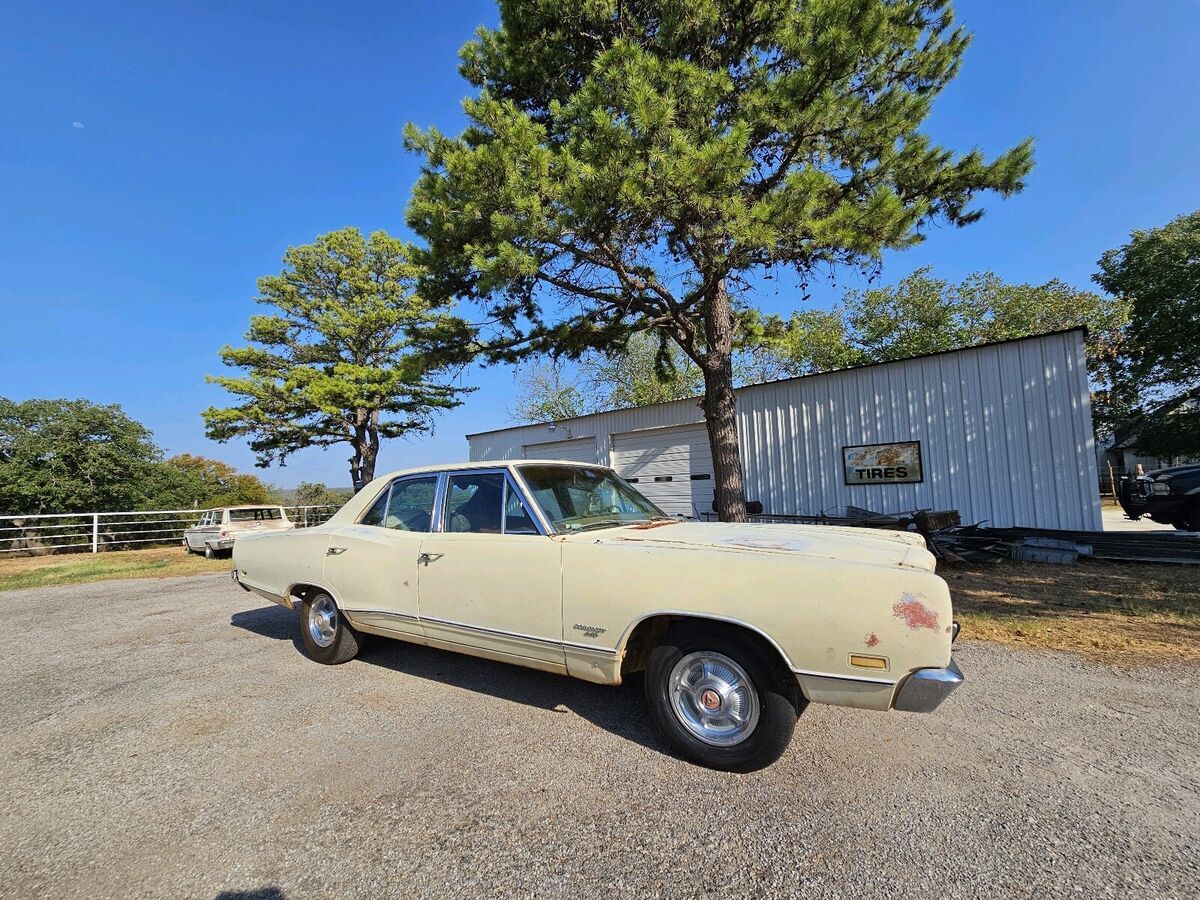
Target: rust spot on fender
657 523
916 615
872 639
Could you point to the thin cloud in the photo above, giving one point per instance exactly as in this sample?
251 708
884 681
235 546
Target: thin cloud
78 125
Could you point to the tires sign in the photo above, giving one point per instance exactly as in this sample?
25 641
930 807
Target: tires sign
898 463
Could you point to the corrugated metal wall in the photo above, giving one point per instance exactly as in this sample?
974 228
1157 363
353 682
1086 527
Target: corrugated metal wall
1005 432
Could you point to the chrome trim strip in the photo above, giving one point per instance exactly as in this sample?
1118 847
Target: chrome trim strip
606 651
382 612
842 677
497 632
439 501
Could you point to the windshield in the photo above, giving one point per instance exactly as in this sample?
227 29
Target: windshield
255 515
574 498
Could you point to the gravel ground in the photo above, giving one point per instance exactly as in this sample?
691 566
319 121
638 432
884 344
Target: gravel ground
166 738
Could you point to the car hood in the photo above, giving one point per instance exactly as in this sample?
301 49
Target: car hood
866 545
1162 474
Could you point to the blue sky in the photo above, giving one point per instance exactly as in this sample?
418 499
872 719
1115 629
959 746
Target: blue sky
156 158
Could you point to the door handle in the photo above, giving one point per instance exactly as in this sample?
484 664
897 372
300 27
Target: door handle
334 551
427 558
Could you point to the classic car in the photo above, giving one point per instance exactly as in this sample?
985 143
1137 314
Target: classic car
1170 496
564 567
218 529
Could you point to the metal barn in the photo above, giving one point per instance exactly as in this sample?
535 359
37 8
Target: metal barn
1001 432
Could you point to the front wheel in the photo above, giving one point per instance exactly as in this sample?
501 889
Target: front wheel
720 699
328 638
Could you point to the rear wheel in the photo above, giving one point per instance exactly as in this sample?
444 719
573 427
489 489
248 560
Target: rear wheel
328 638
720 698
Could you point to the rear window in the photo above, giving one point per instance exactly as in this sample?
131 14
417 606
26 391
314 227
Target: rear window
266 513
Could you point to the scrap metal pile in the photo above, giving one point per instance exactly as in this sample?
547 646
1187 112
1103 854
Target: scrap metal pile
975 543
952 541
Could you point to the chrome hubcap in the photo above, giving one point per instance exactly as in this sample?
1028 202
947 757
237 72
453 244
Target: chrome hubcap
322 621
714 698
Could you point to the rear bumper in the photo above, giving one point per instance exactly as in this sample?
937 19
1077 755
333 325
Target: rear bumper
924 690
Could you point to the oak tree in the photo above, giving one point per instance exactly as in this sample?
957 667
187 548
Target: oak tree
1158 273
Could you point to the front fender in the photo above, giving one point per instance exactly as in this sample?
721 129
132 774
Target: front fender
817 613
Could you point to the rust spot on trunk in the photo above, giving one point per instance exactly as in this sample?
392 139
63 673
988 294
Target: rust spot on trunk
872 639
916 615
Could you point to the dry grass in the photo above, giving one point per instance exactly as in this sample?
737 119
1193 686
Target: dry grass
1123 612
77 568
1126 613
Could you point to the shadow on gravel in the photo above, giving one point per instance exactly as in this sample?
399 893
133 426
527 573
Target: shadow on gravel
620 710
267 893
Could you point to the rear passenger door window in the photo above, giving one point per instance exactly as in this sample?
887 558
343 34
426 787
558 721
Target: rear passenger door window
411 505
406 506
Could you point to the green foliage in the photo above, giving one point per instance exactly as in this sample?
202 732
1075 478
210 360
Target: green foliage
74 456
637 374
546 393
1158 273
214 483
923 314
310 493
643 371
333 363
677 145
59 456
628 166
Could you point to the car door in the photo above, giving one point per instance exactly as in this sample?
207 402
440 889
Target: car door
371 566
190 534
490 581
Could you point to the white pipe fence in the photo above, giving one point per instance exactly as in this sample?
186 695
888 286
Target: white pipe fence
97 531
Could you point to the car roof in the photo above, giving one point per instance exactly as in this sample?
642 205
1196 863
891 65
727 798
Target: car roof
490 464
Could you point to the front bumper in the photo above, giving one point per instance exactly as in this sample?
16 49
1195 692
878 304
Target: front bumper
924 690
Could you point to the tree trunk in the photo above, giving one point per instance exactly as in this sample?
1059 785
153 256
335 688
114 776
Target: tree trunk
720 407
365 442
371 451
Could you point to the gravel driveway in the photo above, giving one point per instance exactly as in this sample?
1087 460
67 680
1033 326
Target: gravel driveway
166 738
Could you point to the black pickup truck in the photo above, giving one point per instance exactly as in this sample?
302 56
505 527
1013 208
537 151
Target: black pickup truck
1170 496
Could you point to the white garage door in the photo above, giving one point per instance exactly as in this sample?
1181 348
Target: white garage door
579 450
671 466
